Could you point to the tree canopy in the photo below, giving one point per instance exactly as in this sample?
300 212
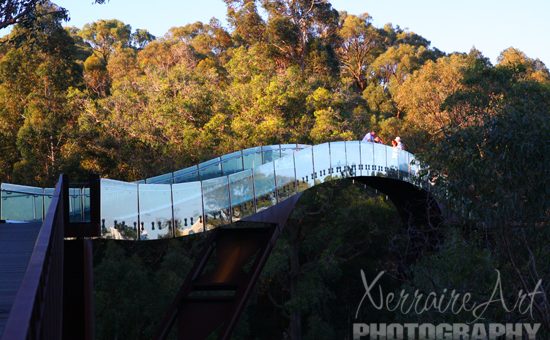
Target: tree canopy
114 100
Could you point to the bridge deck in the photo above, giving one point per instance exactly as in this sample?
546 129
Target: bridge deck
16 246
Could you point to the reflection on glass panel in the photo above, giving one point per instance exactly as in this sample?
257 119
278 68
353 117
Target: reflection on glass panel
187 208
232 163
353 157
403 160
270 153
303 160
186 175
287 149
415 166
380 158
161 179
155 211
86 204
48 196
264 186
367 159
242 194
252 157
321 163
39 206
119 209
338 159
216 202
210 169
21 203
284 172
76 213
392 162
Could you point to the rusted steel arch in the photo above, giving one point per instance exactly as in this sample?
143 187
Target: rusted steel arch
211 300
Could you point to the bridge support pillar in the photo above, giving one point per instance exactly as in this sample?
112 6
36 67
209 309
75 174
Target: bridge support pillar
78 306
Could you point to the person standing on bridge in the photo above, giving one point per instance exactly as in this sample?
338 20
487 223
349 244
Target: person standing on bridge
396 143
378 140
369 137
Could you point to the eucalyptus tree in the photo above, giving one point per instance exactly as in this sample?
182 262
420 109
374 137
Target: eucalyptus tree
37 70
26 11
360 44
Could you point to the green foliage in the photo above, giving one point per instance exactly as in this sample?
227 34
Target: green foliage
127 105
135 283
138 106
337 229
36 70
488 161
105 36
460 264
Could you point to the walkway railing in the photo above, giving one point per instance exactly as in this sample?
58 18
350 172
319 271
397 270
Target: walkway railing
225 189
26 203
37 312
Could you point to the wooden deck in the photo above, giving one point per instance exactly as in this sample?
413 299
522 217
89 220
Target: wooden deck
16 245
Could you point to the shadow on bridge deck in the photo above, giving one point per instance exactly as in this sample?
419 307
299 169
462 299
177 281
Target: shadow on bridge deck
16 245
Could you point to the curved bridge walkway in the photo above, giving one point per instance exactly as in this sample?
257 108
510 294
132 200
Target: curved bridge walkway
217 192
245 198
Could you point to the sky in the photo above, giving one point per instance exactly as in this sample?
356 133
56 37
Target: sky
491 26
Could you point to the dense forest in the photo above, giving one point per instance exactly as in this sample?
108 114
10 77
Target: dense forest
119 102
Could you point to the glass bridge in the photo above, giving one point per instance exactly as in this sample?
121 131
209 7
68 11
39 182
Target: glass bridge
216 192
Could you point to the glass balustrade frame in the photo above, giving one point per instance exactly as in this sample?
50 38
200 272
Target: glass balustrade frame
235 186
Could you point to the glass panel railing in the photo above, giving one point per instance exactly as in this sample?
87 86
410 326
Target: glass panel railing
285 177
86 204
403 164
119 209
241 186
232 163
21 203
252 157
227 164
161 179
392 162
158 210
338 159
79 204
264 186
48 196
367 159
379 159
186 175
270 153
187 199
155 211
321 163
210 169
215 193
76 210
303 161
288 149
353 157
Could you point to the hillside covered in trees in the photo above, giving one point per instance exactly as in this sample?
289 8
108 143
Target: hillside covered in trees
109 99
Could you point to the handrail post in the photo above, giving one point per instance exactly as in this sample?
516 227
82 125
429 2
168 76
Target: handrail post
65 201
95 204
